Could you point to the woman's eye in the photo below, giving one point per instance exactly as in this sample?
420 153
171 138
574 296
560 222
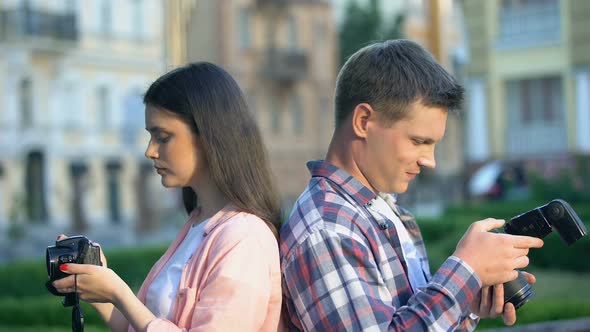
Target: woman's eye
163 139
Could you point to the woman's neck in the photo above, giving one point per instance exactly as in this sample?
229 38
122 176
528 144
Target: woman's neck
209 201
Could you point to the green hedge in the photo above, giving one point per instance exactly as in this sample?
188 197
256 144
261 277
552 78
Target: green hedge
541 311
441 235
132 265
42 310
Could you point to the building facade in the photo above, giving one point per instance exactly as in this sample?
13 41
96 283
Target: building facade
72 124
528 81
283 54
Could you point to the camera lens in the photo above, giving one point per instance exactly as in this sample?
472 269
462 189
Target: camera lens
518 291
555 210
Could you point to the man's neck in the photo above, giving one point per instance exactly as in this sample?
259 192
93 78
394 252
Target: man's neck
341 154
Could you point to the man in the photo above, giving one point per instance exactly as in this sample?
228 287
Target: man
353 260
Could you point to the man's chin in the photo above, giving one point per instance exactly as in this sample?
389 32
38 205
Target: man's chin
400 189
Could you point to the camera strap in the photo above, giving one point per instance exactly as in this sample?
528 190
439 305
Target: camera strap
77 313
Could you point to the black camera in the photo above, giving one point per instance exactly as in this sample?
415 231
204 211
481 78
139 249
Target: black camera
556 215
78 250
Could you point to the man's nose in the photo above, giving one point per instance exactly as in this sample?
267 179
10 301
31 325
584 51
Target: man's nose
428 160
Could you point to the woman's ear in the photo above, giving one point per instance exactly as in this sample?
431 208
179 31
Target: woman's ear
361 116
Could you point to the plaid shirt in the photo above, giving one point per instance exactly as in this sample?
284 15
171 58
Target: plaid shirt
344 270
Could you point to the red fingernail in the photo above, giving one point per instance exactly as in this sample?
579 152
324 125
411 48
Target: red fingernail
63 267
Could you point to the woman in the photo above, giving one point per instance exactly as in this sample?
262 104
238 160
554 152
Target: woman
222 271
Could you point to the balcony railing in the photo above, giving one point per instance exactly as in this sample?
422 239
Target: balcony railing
22 23
286 2
285 65
529 25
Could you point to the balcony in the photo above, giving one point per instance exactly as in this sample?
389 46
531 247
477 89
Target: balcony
32 25
262 3
530 24
285 65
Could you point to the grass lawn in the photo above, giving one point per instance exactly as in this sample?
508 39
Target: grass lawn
49 329
559 295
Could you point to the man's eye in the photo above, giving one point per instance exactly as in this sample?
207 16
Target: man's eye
418 141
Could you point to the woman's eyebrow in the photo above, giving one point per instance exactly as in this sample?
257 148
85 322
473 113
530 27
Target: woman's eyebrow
154 129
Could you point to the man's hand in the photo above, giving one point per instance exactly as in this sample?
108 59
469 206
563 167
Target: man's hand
494 256
489 302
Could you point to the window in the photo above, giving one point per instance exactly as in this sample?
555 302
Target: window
106 18
251 100
26 102
137 19
103 102
525 23
113 169
536 100
244 28
535 117
292 33
275 115
297 113
35 187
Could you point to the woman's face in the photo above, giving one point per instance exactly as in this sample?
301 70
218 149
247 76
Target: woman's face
175 149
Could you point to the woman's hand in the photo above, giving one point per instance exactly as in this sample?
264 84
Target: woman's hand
93 283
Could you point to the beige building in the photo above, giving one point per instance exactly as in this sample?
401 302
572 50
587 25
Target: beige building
529 80
71 116
283 53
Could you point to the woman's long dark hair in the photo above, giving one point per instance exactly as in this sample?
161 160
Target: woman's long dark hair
211 102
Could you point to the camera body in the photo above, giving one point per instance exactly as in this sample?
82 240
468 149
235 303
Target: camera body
556 215
539 222
74 249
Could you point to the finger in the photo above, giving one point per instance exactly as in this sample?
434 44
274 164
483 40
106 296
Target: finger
64 285
488 224
484 304
530 278
498 300
524 242
61 237
509 315
72 268
521 262
520 252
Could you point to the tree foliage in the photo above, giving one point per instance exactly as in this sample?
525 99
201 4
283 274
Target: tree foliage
363 25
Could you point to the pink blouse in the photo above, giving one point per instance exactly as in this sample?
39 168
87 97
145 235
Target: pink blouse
231 283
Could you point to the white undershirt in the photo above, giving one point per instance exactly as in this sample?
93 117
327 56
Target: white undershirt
161 293
416 275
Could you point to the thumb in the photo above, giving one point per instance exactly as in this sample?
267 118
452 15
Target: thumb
488 224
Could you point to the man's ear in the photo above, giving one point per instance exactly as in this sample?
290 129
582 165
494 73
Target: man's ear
361 116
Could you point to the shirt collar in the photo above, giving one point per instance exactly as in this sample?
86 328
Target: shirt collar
348 183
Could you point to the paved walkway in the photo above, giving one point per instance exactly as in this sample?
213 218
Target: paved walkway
573 325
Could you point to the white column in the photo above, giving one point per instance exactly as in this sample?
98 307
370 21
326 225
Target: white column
583 110
477 139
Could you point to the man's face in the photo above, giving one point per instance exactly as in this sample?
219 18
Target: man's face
394 154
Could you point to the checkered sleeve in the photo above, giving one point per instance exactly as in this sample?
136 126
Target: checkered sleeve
334 284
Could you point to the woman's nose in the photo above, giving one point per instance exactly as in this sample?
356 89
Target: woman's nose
151 152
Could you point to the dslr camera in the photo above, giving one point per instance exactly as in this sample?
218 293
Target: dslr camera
74 249
556 215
